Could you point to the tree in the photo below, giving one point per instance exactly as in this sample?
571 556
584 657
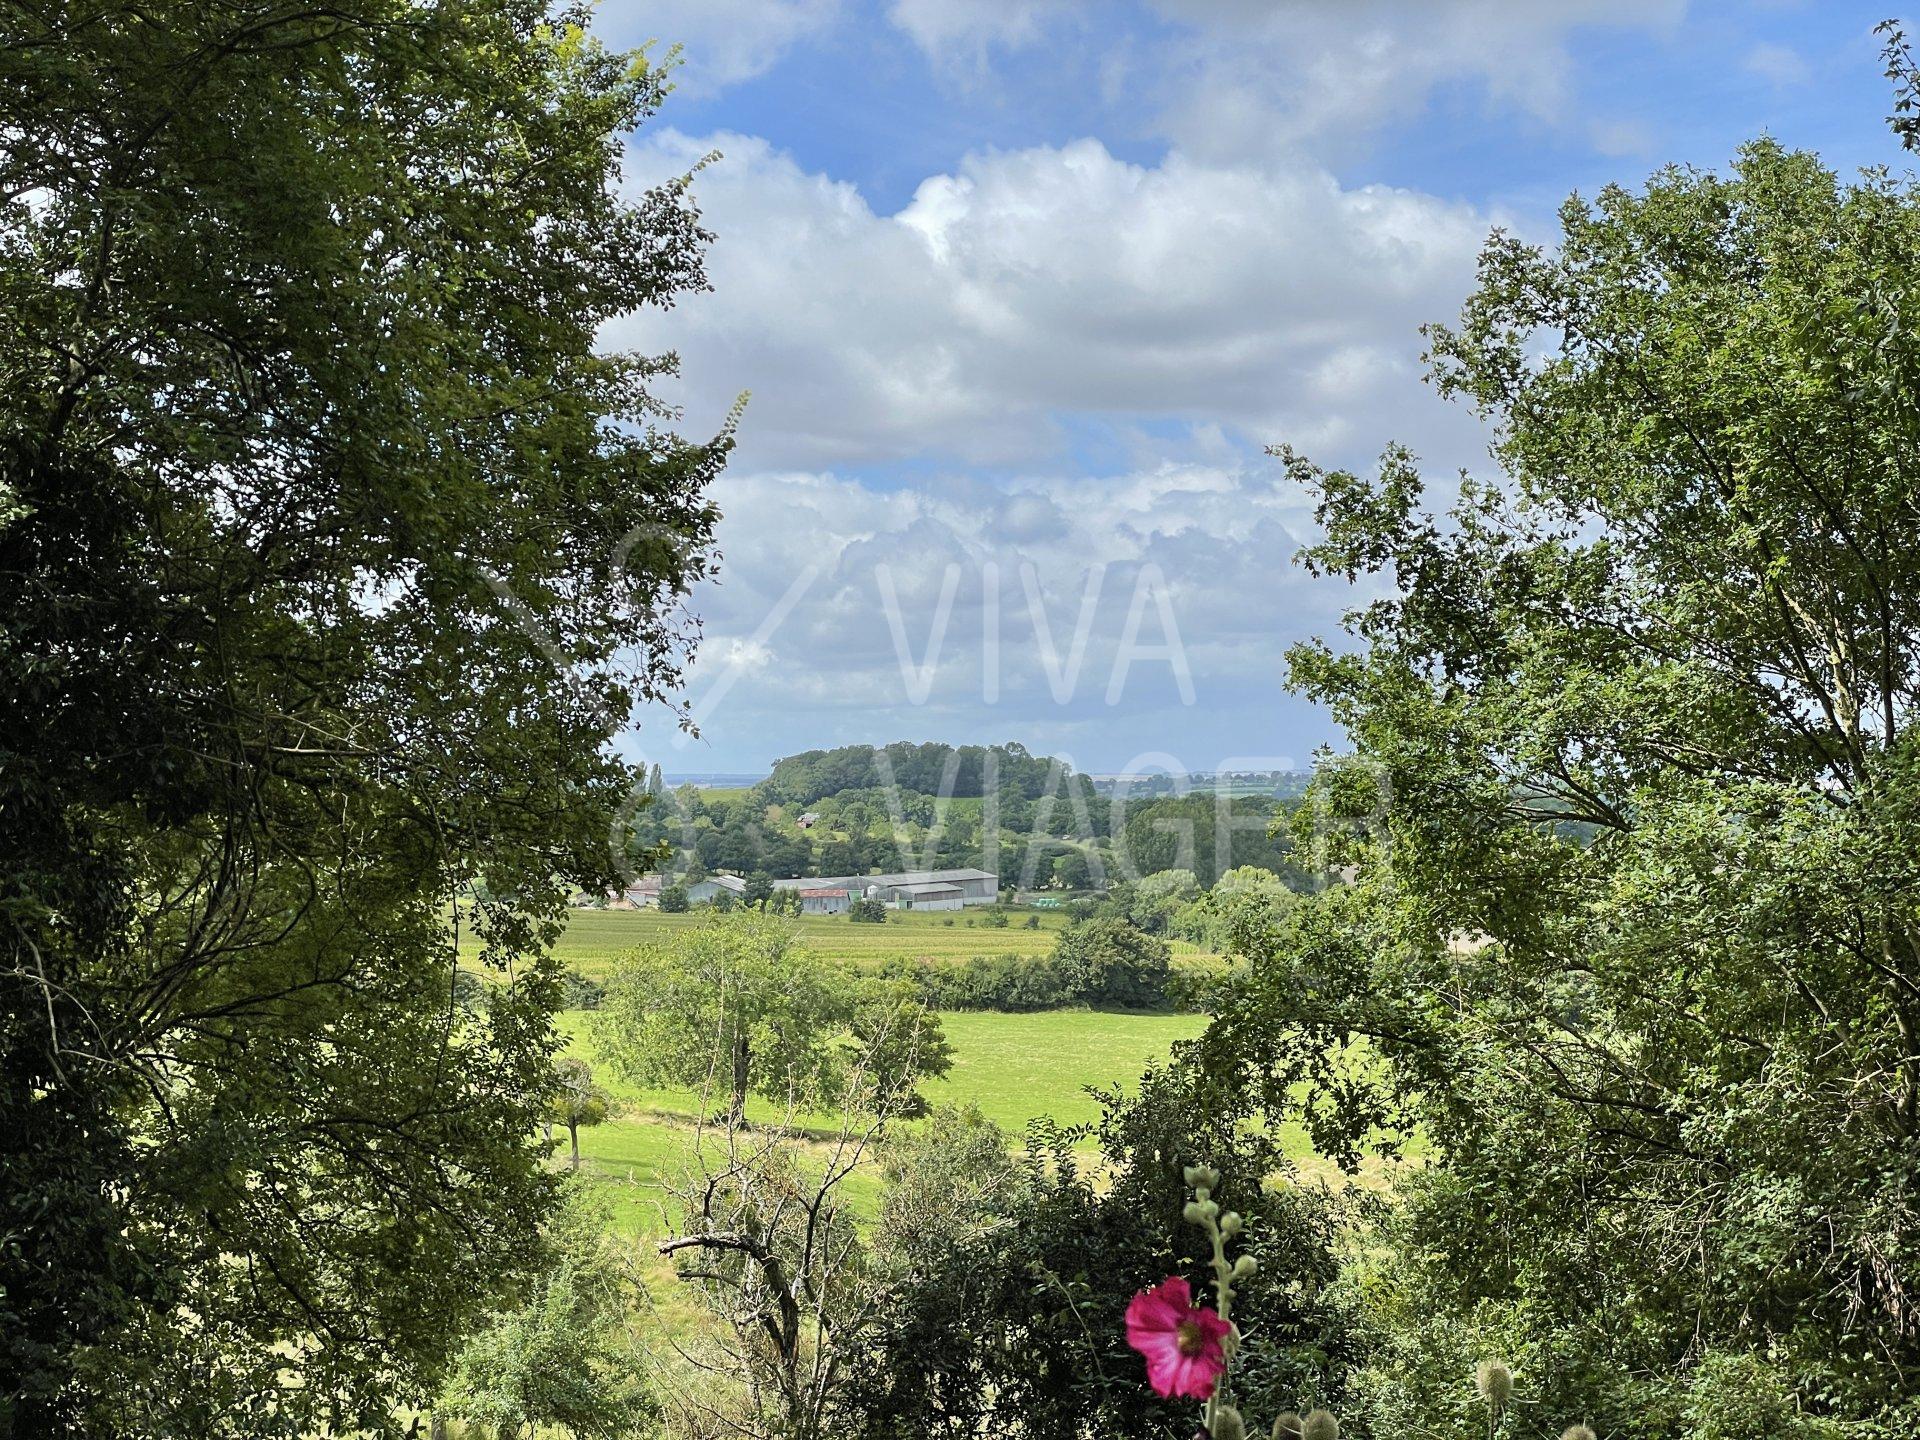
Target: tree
772 1249
563 1357
1238 913
1636 943
1007 1280
738 996
1153 899
868 912
312 472
1070 870
673 900
759 888
1115 964
577 1101
898 1041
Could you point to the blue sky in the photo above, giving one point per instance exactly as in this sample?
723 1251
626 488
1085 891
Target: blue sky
1021 290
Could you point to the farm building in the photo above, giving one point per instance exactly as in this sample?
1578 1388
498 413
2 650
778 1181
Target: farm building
929 895
827 900
910 889
644 893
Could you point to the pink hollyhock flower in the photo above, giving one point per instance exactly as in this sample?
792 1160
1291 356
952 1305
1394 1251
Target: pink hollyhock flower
1180 1340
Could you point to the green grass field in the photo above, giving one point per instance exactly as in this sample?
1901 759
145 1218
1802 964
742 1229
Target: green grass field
1014 1067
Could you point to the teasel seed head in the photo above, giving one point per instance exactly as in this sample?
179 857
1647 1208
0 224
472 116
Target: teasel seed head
1494 1382
1320 1425
1287 1426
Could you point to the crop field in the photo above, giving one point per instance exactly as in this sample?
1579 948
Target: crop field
594 937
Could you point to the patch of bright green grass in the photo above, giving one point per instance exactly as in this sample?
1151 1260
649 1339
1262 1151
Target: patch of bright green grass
1019 1067
1014 1067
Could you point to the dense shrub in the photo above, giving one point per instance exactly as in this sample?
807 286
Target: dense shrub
1022 983
1007 1314
673 900
988 982
1115 964
867 912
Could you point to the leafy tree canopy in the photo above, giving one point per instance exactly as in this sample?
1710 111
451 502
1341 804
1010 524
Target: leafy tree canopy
1637 941
332 550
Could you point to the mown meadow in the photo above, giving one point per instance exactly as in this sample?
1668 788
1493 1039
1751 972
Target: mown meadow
1013 1068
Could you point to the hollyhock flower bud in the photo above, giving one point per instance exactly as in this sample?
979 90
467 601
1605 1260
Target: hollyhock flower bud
1228 1425
1230 1224
1244 1267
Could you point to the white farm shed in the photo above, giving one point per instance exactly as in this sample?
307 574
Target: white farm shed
929 895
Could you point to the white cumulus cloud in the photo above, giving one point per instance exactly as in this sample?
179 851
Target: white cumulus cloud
1034 288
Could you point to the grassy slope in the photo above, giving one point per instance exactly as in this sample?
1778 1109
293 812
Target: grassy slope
1014 1067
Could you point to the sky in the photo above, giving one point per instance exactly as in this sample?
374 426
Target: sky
1021 291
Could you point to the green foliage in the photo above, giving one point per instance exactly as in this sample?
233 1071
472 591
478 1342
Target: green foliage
867 912
930 769
673 899
1205 835
311 465
948 1183
577 1101
577 991
1115 964
1239 911
1022 983
737 1005
1151 902
894 1041
563 1358
1011 1278
1636 943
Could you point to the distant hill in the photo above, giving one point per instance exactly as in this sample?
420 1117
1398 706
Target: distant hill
1032 819
932 768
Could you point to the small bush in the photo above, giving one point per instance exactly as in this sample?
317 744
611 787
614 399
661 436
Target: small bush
867 912
579 992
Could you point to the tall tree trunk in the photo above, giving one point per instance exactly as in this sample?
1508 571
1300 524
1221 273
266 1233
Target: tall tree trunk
742 1056
573 1135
